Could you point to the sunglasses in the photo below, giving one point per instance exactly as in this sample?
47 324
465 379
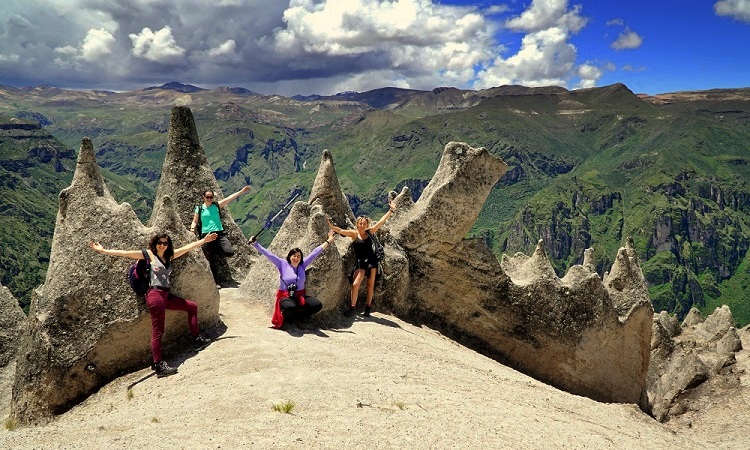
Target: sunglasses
209 196
162 243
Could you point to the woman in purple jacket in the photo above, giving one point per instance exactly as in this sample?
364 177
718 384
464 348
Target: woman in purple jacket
292 302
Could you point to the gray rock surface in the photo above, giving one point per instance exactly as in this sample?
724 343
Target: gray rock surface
85 325
683 361
12 320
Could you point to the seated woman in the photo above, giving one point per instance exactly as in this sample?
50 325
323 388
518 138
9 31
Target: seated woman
292 302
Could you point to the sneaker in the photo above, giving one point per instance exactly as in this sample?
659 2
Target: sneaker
200 342
367 311
350 312
163 369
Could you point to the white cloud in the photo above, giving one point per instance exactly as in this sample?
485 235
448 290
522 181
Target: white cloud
545 58
98 43
545 14
11 57
627 40
292 45
159 47
546 55
736 9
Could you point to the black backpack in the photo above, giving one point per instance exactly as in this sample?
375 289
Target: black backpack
377 247
138 274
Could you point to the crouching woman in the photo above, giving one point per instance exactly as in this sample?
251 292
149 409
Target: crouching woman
292 303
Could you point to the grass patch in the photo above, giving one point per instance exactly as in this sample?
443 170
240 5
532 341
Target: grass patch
129 395
399 405
155 419
284 407
10 424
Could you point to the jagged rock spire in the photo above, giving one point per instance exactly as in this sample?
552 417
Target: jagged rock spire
327 192
451 202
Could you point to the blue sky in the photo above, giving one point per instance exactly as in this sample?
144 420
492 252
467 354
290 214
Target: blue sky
327 46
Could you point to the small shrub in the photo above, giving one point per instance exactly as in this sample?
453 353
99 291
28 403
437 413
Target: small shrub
10 424
285 407
399 405
154 419
129 394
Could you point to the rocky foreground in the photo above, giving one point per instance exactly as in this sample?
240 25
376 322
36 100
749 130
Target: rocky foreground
369 383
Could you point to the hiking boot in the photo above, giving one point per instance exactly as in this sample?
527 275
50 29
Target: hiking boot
163 369
350 312
367 311
200 342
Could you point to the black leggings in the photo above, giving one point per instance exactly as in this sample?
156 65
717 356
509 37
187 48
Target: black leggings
221 246
292 311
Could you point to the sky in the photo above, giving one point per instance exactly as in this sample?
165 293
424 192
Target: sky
328 46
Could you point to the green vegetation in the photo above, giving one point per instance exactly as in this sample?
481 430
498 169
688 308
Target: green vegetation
284 407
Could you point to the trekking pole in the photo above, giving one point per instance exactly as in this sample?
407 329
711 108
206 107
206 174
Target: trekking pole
269 221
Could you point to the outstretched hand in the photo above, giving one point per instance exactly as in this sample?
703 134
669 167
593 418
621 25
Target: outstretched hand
330 234
210 237
96 246
252 240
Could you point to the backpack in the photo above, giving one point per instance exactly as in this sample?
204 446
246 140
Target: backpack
138 274
199 225
377 247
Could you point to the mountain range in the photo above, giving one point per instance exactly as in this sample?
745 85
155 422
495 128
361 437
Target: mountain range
588 168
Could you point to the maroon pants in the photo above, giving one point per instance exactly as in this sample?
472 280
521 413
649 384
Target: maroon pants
158 301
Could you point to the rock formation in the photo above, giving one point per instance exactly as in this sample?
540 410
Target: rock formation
185 176
684 357
306 227
11 320
85 324
583 334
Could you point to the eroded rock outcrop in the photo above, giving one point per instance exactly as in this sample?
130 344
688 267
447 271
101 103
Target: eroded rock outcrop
686 358
186 175
85 324
583 334
11 321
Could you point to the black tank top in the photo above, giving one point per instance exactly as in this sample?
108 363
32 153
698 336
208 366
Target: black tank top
363 248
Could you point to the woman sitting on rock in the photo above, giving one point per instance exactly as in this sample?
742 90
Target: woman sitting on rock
367 263
158 298
292 303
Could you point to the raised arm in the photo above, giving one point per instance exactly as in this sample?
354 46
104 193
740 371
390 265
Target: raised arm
318 250
275 260
223 202
348 233
379 223
193 245
135 254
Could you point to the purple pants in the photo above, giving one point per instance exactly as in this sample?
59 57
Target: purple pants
158 301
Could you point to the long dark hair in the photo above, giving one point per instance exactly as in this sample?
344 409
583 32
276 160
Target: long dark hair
293 251
168 253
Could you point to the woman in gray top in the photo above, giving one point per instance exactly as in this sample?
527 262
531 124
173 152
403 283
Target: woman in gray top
158 298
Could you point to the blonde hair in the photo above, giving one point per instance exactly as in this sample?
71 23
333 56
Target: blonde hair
365 218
